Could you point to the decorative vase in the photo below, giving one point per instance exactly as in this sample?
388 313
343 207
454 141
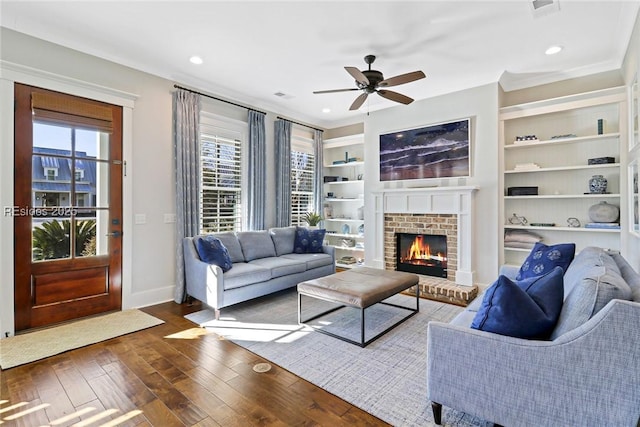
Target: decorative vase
598 184
604 212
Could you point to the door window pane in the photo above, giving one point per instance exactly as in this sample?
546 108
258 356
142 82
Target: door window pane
92 144
51 238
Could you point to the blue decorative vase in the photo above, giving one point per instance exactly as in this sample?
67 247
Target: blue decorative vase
598 184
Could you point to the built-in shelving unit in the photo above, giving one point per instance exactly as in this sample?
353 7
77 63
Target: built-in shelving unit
344 198
567 132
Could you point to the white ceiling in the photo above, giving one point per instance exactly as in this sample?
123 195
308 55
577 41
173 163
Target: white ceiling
252 50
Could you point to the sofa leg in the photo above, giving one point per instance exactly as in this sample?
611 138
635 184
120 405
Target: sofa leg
189 300
217 311
437 412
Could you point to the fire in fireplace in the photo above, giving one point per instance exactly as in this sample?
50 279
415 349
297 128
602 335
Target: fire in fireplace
422 254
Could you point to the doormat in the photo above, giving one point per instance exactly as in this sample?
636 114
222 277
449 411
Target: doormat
21 349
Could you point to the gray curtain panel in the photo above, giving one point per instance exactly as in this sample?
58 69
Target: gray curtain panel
283 172
186 124
257 171
318 176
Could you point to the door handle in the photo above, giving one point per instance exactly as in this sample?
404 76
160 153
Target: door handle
114 234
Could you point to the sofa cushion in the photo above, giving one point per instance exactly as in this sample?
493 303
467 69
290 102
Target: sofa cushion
244 274
312 260
308 241
596 281
283 238
212 251
524 309
280 266
542 259
230 241
256 244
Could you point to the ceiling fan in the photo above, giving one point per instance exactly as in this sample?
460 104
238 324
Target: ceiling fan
372 81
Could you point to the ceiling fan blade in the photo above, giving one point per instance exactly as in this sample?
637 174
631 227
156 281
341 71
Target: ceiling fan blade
359 101
357 74
335 90
402 79
395 96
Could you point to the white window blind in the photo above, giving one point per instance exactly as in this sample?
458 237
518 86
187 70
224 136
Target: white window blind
221 182
302 179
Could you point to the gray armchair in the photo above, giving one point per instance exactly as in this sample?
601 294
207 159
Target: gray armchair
586 376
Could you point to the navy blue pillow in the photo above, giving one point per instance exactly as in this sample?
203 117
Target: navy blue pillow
308 241
542 259
212 251
523 309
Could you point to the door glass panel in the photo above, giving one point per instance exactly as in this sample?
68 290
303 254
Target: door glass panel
50 238
91 183
86 239
70 192
48 136
92 144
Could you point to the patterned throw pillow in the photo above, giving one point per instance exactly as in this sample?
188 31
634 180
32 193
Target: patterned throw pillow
212 251
526 309
542 259
308 241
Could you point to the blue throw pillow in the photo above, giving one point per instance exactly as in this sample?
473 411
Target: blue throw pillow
523 309
212 251
308 241
542 259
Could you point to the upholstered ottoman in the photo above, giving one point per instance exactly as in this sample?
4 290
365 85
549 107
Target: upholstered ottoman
361 288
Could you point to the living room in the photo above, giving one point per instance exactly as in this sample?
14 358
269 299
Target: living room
149 188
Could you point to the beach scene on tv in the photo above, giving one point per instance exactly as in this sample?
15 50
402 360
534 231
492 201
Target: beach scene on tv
436 151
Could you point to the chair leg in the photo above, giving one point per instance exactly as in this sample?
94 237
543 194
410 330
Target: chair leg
217 311
437 412
189 300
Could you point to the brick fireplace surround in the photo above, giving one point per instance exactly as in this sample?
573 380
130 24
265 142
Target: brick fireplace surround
436 211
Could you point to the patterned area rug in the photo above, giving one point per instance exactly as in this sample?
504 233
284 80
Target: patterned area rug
32 346
387 378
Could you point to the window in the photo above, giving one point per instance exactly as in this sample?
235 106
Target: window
79 174
51 173
221 196
302 179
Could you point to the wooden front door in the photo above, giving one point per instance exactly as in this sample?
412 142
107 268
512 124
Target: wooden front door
68 207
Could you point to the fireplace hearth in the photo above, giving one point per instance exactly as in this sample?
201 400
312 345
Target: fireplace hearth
424 254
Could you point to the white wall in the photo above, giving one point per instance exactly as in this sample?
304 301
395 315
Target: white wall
481 105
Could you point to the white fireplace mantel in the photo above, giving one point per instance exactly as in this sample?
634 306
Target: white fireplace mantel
430 200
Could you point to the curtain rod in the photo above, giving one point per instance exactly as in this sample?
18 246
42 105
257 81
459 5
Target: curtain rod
301 124
218 99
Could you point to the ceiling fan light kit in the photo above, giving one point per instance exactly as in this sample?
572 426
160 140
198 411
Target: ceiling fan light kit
371 81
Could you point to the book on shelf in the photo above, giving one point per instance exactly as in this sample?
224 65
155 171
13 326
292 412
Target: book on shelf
526 167
603 225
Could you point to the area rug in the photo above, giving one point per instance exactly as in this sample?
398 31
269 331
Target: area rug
387 378
32 346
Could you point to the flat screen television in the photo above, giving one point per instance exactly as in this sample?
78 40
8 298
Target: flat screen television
435 151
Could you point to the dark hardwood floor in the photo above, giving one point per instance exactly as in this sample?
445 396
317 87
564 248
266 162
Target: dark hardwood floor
174 374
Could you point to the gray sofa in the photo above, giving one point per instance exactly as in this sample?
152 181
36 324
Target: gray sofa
263 262
587 374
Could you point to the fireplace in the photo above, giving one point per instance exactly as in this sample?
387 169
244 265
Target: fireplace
422 254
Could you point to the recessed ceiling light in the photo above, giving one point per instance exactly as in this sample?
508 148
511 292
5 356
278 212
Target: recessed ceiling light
326 110
552 50
196 60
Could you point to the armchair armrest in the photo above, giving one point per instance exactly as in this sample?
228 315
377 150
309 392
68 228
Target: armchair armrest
203 281
588 376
